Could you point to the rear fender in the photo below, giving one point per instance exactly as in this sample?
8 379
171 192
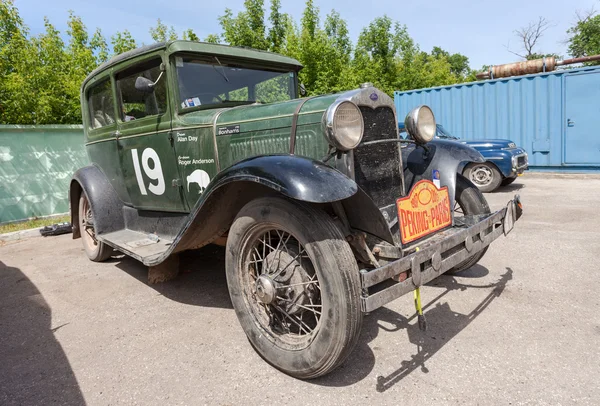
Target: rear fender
445 156
105 204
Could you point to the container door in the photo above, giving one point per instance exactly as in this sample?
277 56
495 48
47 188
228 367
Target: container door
145 144
582 119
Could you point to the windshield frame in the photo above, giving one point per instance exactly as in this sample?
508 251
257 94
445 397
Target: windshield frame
225 61
445 134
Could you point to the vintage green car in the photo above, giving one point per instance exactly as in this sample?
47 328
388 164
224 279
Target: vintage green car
326 215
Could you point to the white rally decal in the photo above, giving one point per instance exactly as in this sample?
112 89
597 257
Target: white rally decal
153 172
199 177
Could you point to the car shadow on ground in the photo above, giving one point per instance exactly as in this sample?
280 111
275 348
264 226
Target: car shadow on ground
513 187
33 366
443 325
201 280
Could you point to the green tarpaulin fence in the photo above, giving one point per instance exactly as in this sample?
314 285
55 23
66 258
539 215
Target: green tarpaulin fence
36 165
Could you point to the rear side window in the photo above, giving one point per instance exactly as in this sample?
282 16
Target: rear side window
101 105
136 104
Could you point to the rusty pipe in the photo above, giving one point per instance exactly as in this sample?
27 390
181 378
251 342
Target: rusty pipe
546 64
583 59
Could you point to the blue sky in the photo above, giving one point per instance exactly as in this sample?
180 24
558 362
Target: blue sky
480 30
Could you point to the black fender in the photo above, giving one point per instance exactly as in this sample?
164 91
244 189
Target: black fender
442 155
295 177
106 206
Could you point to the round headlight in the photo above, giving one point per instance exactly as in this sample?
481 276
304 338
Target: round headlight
344 125
420 124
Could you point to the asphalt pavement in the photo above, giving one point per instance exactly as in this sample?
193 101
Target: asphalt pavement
521 327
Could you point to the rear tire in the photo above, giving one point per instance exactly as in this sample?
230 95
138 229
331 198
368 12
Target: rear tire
508 181
469 201
484 175
276 303
95 250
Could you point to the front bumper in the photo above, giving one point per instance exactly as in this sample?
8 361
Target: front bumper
426 264
519 163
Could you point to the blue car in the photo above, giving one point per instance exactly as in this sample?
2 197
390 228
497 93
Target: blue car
504 161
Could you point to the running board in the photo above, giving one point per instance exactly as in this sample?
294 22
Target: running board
144 247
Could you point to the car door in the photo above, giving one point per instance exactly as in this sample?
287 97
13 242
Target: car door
146 150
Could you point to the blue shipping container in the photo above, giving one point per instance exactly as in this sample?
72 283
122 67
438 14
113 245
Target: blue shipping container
554 116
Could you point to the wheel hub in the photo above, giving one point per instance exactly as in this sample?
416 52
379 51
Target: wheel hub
481 175
266 289
287 275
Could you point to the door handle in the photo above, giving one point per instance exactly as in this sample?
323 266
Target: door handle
570 123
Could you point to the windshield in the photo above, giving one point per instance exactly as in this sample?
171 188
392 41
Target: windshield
205 81
443 133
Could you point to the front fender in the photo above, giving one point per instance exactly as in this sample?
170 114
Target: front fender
296 177
501 158
442 155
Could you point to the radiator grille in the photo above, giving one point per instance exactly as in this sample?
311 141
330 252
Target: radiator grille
377 167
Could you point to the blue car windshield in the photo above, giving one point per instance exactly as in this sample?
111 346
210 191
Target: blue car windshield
443 133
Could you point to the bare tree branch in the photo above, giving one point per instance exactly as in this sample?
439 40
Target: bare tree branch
507 46
584 15
531 34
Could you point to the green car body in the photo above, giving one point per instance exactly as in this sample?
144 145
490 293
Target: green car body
195 143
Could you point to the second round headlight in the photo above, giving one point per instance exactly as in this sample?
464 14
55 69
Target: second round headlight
420 124
344 126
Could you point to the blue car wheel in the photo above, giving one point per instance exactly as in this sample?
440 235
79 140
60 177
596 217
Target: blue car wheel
484 175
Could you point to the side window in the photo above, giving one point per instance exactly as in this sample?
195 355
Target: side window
101 105
135 104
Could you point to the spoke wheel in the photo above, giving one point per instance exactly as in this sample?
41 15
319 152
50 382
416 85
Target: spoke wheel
295 286
484 175
469 201
96 250
281 286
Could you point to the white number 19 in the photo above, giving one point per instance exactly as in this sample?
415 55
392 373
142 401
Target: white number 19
154 173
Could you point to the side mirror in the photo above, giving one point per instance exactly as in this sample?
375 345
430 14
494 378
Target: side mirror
144 85
302 90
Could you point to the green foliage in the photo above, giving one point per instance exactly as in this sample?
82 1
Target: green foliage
162 33
190 35
40 77
213 39
122 42
585 38
247 28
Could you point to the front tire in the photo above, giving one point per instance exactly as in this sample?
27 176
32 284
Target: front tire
484 175
294 285
95 250
469 201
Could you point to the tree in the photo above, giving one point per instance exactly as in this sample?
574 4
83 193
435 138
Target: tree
530 36
122 41
585 37
213 39
278 21
162 33
377 57
459 64
247 28
190 35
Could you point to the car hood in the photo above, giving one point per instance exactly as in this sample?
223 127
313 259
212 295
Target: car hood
260 117
490 144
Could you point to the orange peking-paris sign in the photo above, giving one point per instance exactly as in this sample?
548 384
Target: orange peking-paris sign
426 209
